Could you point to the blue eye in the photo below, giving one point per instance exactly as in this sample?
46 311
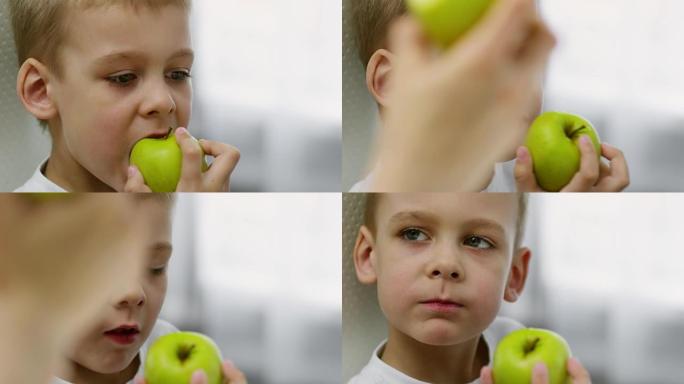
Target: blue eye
477 242
413 234
179 75
123 79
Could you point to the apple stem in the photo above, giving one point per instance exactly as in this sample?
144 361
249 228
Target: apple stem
531 345
572 134
185 352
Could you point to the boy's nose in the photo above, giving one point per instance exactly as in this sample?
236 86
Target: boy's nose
158 101
135 297
446 264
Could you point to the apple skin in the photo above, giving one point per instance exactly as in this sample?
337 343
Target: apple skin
163 364
553 142
160 161
445 21
512 365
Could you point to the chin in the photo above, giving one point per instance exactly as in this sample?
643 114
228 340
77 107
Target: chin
439 335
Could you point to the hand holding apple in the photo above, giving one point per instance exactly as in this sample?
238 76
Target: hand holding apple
540 374
447 20
195 176
160 162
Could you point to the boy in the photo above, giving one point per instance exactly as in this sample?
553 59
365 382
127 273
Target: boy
112 349
456 117
101 75
442 264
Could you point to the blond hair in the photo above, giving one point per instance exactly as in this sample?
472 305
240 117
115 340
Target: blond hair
372 19
39 25
372 205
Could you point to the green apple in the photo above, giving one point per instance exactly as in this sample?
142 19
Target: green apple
159 161
445 21
173 358
518 353
553 143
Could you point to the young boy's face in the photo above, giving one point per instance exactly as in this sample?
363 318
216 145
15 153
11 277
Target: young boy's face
442 262
125 77
106 348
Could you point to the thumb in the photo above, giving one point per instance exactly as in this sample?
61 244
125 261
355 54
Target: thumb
199 377
139 380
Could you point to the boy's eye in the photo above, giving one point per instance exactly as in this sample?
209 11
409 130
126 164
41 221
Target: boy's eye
123 79
158 271
413 234
477 242
179 75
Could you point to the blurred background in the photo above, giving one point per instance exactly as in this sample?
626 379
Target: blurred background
260 274
266 79
618 62
605 273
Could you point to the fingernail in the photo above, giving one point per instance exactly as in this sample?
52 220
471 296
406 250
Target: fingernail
585 140
522 154
228 364
199 375
131 171
182 131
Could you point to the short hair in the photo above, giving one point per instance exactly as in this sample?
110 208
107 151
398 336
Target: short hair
39 26
372 206
371 20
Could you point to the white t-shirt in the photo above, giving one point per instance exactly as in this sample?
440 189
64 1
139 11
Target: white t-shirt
160 329
503 180
38 183
379 372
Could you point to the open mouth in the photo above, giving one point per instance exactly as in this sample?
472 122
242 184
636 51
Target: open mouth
124 334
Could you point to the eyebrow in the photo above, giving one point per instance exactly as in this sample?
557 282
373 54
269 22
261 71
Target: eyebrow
412 215
487 224
161 248
479 223
140 55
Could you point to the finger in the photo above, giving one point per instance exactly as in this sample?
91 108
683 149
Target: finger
191 172
525 180
409 43
199 377
217 178
619 171
135 182
139 380
588 173
486 376
577 372
232 373
540 374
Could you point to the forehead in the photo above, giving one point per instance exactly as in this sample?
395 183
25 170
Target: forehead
100 30
451 208
157 216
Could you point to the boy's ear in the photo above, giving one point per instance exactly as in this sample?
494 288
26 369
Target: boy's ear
33 89
377 75
364 256
517 275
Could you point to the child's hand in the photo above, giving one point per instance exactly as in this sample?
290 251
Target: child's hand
593 176
231 375
451 117
540 374
215 179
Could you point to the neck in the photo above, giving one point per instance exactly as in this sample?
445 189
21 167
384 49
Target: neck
74 372
450 364
63 170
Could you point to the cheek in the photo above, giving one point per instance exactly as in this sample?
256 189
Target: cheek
489 287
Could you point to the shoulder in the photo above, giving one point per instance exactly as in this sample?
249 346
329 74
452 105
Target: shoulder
161 328
38 183
379 372
363 185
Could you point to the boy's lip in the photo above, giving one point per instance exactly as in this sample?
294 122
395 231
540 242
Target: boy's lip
442 305
160 134
123 334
